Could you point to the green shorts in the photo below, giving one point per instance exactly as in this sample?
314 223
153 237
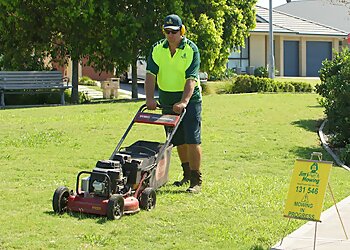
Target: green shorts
189 130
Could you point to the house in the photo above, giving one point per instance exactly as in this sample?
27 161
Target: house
300 45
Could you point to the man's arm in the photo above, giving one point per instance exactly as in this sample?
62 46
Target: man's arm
149 88
191 81
186 96
152 71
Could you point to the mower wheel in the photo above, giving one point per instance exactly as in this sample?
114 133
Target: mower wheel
115 207
60 200
148 199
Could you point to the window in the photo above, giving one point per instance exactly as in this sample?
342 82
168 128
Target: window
239 58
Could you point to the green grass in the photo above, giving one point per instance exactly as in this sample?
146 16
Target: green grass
250 142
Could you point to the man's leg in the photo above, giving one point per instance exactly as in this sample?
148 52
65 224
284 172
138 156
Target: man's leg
194 155
182 151
195 158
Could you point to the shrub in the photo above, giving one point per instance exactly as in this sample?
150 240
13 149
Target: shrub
228 74
345 154
244 84
284 87
302 86
82 97
85 80
226 88
39 98
249 84
335 91
289 87
207 89
261 72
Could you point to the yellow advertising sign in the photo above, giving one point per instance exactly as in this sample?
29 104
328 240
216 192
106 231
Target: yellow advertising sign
307 189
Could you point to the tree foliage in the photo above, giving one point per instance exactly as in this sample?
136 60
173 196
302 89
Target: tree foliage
335 90
217 27
21 41
114 34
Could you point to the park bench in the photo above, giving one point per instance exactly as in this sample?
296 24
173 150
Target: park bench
31 82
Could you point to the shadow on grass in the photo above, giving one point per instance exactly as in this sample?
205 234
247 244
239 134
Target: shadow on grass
81 216
309 125
257 247
315 106
305 153
169 191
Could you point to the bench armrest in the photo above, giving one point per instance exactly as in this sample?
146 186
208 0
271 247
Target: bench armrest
65 79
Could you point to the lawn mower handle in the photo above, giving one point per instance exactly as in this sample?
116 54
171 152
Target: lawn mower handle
144 107
169 136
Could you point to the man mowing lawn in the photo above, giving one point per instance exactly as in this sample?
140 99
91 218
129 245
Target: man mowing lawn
174 62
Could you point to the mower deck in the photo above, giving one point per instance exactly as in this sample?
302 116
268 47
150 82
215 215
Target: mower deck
99 205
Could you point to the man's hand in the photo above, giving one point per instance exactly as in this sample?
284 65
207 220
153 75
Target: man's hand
151 104
179 107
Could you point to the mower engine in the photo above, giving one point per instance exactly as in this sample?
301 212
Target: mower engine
106 172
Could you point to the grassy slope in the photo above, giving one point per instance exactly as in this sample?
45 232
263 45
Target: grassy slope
250 143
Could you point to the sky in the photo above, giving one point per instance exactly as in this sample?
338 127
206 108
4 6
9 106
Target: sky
265 3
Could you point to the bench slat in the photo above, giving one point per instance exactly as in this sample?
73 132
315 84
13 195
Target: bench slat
34 87
30 73
30 76
9 83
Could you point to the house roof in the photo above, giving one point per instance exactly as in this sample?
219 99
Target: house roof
289 24
322 11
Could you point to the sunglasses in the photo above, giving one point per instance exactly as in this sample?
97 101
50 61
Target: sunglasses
171 31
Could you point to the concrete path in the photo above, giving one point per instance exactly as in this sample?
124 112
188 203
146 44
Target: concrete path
330 234
92 93
124 91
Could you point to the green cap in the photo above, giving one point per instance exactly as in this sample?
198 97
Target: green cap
172 22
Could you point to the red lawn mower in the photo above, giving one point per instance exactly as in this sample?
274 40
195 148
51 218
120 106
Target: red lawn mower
128 180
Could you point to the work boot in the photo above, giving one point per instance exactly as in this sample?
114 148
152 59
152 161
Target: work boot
195 182
186 175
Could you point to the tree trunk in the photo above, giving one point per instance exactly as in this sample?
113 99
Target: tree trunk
134 88
75 80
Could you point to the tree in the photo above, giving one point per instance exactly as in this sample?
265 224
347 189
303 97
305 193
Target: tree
111 34
217 27
144 20
35 30
91 29
21 40
114 34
